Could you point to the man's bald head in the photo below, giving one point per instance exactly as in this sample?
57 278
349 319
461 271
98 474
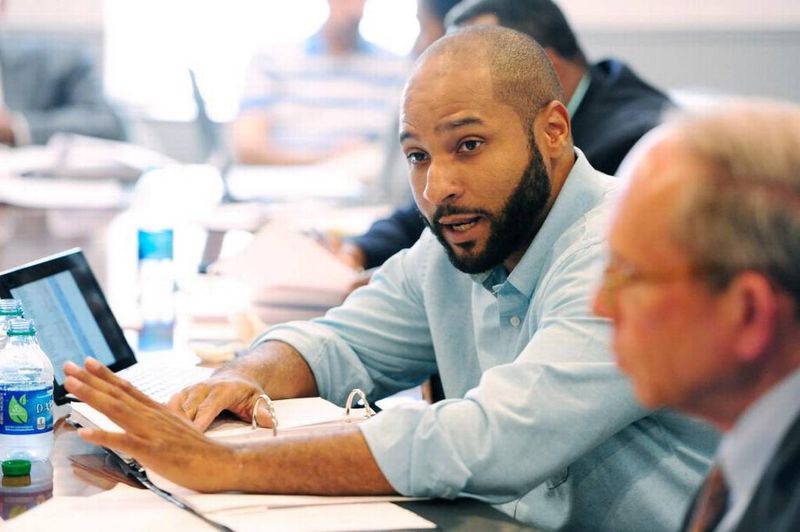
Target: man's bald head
521 74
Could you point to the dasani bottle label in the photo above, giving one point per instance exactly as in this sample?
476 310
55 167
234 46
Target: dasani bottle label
26 411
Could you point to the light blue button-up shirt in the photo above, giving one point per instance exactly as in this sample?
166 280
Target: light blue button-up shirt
537 420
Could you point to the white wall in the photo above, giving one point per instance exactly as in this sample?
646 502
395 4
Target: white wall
607 14
682 14
62 15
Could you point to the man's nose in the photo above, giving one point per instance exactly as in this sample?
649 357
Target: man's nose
442 185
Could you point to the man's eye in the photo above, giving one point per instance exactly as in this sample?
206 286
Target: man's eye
470 145
416 157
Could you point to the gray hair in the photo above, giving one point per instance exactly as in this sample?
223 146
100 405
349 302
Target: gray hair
744 212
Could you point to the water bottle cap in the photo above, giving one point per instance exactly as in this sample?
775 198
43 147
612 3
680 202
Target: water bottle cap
16 468
10 307
21 327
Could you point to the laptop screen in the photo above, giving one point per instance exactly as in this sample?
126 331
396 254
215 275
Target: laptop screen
73 319
66 329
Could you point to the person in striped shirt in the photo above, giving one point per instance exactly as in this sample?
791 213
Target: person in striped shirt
335 92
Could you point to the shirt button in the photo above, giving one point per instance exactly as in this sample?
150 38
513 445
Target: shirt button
515 321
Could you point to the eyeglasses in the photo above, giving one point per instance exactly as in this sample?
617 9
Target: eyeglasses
619 274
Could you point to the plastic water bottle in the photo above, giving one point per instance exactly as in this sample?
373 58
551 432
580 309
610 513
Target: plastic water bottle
156 272
154 205
9 309
24 486
156 287
26 395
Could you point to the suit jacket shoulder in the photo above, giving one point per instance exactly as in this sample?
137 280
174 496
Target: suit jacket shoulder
776 502
616 111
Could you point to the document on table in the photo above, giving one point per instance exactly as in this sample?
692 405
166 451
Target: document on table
282 268
291 414
121 509
131 509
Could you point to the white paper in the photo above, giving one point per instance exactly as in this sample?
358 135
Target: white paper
291 413
121 509
211 504
284 267
371 516
130 509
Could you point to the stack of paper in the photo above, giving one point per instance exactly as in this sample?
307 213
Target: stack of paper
289 274
291 414
130 509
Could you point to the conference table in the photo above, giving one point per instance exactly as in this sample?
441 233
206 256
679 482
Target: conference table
81 469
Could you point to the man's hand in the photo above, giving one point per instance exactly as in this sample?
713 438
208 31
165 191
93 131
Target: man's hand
273 368
345 251
350 254
154 436
202 403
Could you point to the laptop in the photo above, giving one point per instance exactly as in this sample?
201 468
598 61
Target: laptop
74 321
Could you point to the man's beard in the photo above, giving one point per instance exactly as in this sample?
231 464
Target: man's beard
510 230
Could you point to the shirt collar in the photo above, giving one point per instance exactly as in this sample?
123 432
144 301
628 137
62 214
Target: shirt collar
746 450
580 92
581 190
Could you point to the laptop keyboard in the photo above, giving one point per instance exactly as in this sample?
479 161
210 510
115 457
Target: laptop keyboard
161 381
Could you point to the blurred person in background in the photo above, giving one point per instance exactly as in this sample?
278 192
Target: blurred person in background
335 93
48 87
394 175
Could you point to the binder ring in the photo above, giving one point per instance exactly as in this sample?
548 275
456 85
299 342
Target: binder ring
270 408
368 411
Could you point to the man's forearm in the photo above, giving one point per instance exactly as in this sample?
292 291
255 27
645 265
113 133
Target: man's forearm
278 368
334 461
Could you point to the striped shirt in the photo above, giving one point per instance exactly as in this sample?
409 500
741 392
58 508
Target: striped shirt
317 101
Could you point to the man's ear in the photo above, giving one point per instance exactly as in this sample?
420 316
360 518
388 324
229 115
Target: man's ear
754 311
555 133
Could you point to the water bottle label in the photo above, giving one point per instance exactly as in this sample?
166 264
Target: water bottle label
155 245
26 411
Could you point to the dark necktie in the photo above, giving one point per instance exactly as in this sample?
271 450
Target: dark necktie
711 504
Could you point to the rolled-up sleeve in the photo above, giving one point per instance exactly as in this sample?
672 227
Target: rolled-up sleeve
379 340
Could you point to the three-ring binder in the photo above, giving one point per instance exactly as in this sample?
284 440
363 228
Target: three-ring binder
356 392
270 408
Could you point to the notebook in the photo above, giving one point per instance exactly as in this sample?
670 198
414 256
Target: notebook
74 321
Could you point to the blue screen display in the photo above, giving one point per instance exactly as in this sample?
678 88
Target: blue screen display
65 326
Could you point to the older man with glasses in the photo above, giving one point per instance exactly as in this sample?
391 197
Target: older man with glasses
703 287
